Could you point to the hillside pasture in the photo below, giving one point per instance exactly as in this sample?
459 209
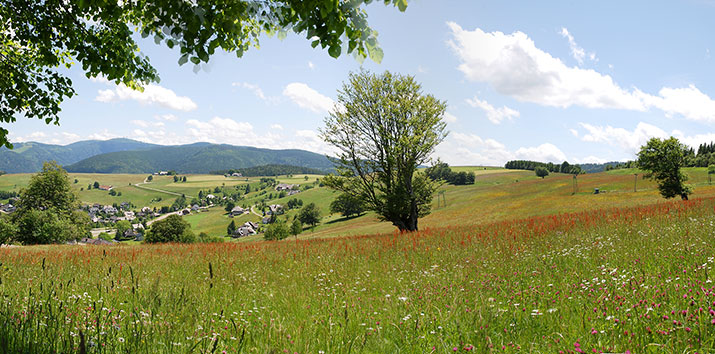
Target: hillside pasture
632 279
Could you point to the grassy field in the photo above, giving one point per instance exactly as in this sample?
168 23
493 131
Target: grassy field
497 194
631 279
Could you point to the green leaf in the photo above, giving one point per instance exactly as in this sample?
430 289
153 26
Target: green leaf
184 58
334 51
195 60
315 43
402 5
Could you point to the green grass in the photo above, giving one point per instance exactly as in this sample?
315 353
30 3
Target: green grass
631 279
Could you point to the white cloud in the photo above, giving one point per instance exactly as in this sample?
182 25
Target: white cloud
688 102
166 117
574 132
470 149
305 97
629 141
495 115
57 138
276 127
311 65
254 88
449 117
514 66
103 135
545 153
577 52
153 94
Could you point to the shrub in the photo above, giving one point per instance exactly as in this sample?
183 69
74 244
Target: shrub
171 229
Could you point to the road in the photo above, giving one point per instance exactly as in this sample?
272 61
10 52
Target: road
139 185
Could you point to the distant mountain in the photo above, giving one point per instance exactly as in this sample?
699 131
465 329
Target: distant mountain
197 158
29 157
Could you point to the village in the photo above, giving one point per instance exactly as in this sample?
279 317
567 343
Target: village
124 221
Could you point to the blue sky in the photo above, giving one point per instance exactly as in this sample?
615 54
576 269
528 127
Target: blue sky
549 81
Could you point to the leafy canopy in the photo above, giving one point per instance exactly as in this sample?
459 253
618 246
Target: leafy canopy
39 37
309 214
383 128
171 229
662 160
47 211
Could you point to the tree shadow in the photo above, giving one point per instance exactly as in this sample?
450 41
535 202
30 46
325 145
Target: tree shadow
344 218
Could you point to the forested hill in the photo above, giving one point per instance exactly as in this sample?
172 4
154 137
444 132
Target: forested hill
29 157
197 158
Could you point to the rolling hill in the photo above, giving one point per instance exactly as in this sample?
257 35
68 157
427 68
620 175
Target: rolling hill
29 157
196 158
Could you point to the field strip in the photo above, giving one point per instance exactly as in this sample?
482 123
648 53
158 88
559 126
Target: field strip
139 185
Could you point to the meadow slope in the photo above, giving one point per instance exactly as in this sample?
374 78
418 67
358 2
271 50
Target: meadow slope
633 279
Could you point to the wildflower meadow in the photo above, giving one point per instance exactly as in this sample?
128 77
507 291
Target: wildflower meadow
634 279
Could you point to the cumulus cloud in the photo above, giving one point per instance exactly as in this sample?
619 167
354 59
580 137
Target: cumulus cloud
629 141
153 94
495 115
166 117
577 52
545 153
470 149
307 98
276 127
58 138
514 66
463 149
253 88
688 102
449 117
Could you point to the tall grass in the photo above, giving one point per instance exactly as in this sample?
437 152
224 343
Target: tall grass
613 280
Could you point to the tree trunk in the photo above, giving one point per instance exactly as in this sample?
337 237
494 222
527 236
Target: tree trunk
684 196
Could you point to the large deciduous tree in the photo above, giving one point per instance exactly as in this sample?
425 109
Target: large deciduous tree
38 37
383 127
47 211
662 160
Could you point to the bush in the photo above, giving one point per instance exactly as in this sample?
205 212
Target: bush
171 229
49 226
205 238
105 236
276 231
8 231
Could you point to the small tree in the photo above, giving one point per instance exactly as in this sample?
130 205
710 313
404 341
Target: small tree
8 231
347 205
171 229
296 227
541 171
229 206
183 179
662 159
47 209
309 214
711 171
150 178
122 227
276 231
176 178
96 185
231 228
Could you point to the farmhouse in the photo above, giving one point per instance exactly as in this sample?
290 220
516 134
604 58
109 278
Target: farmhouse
248 228
106 188
237 210
275 209
286 187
